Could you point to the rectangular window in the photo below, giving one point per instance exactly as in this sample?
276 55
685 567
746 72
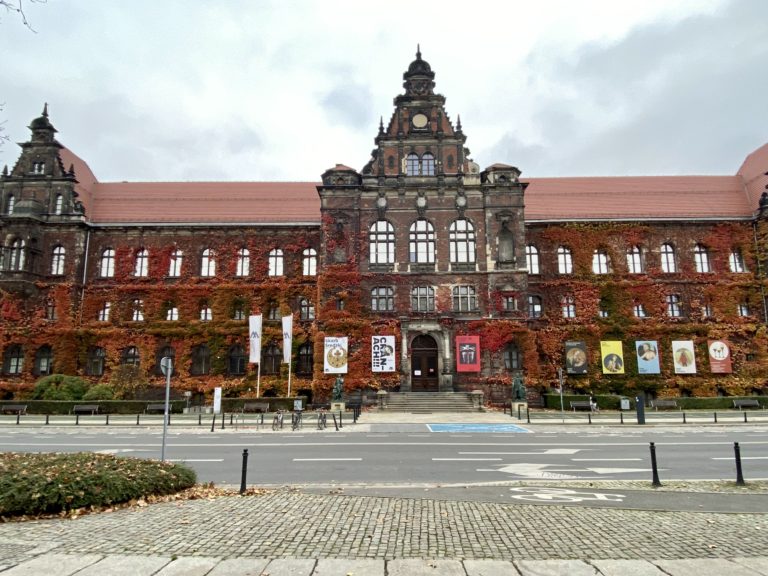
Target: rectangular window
674 309
638 310
464 299
423 299
104 312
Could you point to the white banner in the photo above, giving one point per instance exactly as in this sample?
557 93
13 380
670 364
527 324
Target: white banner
383 353
254 338
287 338
217 400
335 355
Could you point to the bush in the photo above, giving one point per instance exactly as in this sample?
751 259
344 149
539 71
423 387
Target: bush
32 484
99 392
59 387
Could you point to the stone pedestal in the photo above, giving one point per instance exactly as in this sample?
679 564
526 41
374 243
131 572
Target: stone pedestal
477 399
337 407
381 396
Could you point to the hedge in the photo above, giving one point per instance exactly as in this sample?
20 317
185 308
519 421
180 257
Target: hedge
611 401
139 406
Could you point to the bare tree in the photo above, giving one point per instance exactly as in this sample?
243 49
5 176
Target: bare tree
17 7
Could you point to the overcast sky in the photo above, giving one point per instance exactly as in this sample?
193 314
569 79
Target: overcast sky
282 90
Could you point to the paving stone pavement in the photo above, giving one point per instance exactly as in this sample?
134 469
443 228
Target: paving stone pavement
288 532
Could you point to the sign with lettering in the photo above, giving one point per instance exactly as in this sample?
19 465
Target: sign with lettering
382 353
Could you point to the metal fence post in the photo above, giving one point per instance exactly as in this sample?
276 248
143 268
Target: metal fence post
655 468
739 475
244 471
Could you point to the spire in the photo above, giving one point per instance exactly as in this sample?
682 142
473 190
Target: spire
458 123
5 170
381 125
71 169
45 110
418 51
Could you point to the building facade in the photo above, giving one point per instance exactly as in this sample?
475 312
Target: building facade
478 274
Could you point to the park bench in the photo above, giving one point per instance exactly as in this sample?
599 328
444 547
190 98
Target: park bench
85 409
156 408
257 407
746 403
581 405
664 403
14 409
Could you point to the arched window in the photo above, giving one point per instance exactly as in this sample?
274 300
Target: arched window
236 360
461 236
201 360
304 359
512 358
137 313
736 261
107 263
601 264
57 261
381 242
427 165
13 359
382 299
668 260
94 364
17 255
276 262
165 352
306 310
411 165
59 205
423 299
635 260
130 356
532 259
10 203
421 246
309 262
568 305
464 298
141 269
174 264
43 360
243 262
534 307
206 314
564 260
701 258
272 358
208 263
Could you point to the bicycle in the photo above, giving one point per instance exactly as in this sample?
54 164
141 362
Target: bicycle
296 421
321 419
277 421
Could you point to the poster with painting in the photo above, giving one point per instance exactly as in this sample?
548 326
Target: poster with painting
683 357
468 353
612 356
647 357
576 357
719 357
335 355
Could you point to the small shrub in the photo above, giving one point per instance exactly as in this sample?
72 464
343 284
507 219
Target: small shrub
32 484
99 392
59 387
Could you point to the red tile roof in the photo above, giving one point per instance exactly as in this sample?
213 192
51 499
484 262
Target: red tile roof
753 172
636 198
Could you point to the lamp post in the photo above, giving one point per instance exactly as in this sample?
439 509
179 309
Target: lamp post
166 366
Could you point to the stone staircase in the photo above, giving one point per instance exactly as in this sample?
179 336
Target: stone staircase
429 402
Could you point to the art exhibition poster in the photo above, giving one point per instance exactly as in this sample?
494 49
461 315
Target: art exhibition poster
612 356
719 357
647 357
576 357
683 357
382 353
336 352
254 338
468 353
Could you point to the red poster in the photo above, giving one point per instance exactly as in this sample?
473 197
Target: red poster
467 353
719 357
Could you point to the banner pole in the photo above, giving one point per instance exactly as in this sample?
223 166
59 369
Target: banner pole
258 380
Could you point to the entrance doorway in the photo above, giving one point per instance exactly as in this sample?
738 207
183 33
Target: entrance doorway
424 372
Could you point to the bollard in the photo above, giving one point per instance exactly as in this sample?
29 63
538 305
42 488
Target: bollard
745 417
169 416
223 415
684 422
341 422
621 417
590 418
245 471
715 413
18 418
739 475
261 422
200 419
77 419
335 423
46 419
107 422
137 419
230 418
213 422
519 408
655 468
527 415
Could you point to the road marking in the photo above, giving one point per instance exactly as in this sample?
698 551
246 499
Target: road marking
744 458
195 459
483 428
606 459
548 452
327 459
466 459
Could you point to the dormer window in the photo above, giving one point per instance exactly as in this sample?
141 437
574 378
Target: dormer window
38 167
424 166
59 206
10 204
